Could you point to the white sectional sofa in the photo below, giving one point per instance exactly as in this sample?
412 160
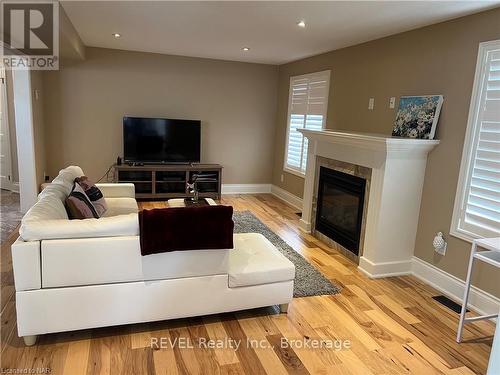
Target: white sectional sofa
77 274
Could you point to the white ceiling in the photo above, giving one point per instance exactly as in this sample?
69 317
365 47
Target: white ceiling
220 29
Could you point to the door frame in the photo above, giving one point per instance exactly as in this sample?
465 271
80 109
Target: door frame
23 109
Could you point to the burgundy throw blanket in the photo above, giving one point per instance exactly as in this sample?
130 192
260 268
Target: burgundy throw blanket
186 228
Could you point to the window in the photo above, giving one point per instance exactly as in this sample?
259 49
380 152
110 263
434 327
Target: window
307 105
477 204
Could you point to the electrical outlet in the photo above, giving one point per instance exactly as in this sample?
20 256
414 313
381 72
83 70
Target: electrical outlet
371 104
442 251
282 177
392 102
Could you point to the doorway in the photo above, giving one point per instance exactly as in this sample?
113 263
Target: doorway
7 139
10 213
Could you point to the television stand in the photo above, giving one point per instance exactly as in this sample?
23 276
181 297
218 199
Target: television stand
165 181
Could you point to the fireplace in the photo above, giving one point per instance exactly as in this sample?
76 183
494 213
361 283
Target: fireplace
394 170
339 211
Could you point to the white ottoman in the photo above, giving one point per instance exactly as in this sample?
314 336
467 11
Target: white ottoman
256 261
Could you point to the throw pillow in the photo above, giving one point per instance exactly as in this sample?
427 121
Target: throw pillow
94 194
78 205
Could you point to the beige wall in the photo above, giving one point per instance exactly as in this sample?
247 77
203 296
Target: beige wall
236 103
438 59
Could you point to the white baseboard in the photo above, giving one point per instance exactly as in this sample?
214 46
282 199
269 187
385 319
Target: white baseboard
451 286
479 300
246 188
305 225
387 269
287 197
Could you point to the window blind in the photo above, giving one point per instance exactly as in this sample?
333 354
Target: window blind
479 206
308 103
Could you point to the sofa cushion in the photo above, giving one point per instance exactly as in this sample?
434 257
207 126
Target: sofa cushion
122 225
91 261
54 190
66 178
93 193
120 206
79 205
117 190
49 207
256 261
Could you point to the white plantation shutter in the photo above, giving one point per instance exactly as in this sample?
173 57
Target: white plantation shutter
477 209
308 102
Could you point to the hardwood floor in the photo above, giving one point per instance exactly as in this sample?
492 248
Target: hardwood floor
393 326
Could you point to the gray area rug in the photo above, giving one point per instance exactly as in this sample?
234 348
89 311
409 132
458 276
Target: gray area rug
10 216
308 280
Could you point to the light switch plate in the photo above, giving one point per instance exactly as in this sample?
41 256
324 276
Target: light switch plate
392 102
371 103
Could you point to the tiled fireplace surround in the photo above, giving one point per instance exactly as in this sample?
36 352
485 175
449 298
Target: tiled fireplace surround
394 170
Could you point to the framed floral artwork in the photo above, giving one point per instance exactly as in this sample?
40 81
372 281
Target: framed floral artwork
417 116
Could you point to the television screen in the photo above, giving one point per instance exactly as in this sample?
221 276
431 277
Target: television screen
156 140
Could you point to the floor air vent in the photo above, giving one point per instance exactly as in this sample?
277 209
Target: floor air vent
452 305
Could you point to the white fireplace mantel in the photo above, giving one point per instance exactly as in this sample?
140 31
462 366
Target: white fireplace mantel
398 170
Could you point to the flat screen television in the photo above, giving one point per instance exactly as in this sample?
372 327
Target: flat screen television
159 140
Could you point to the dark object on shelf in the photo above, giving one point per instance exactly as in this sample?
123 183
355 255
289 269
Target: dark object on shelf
193 189
170 181
452 305
118 161
186 228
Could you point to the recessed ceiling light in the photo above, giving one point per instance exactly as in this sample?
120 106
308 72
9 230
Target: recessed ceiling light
301 23
246 49
117 35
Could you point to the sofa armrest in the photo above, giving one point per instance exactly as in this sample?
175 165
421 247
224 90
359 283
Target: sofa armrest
26 265
114 226
117 190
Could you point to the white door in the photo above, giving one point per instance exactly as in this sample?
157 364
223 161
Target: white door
5 155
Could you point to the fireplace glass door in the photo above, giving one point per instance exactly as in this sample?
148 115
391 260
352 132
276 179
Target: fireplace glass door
340 207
